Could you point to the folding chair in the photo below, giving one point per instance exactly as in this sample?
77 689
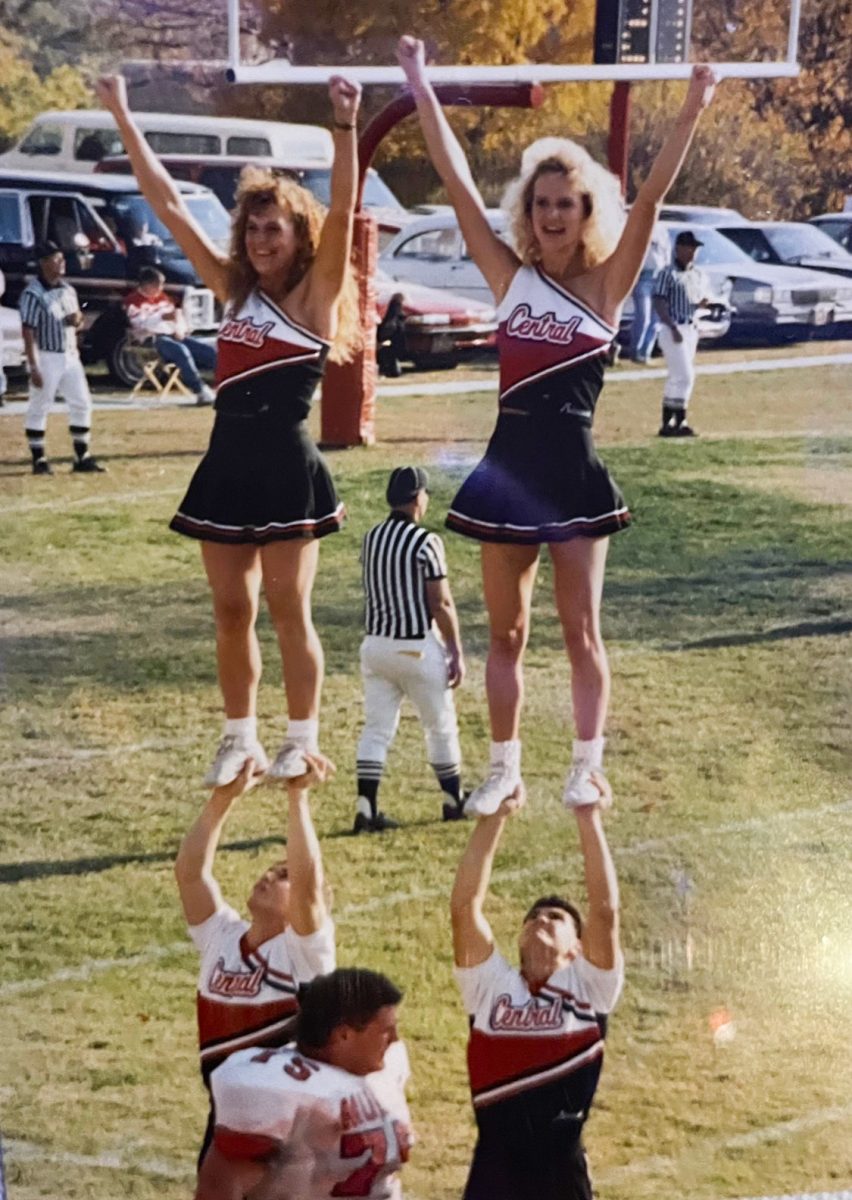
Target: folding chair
163 377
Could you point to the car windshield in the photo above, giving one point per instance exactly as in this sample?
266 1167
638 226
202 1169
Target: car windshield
715 247
803 241
137 223
10 219
377 194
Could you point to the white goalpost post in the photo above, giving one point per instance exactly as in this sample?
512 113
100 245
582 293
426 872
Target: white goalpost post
281 71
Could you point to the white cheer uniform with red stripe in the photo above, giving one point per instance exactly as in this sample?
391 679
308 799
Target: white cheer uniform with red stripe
534 1061
323 1131
541 479
248 997
262 478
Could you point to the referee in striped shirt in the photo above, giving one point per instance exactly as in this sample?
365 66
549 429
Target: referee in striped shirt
406 591
679 290
50 318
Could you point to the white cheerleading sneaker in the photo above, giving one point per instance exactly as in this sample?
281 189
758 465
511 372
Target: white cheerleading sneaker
581 789
289 762
231 757
487 798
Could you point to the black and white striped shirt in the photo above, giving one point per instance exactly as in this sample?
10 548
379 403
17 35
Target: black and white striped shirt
44 309
397 558
682 288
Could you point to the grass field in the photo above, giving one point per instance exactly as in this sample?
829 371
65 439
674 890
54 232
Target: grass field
727 619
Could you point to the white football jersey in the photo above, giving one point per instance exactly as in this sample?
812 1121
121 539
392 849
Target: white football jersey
246 997
323 1131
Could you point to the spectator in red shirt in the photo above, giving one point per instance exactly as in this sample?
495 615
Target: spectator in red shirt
152 314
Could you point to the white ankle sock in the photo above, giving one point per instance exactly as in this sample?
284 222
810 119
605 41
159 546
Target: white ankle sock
241 727
506 755
306 733
589 753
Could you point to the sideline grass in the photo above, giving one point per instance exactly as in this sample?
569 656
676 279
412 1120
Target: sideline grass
727 619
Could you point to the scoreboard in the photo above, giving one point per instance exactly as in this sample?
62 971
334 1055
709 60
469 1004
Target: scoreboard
642 31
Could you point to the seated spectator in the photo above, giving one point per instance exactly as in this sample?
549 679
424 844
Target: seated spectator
153 315
390 338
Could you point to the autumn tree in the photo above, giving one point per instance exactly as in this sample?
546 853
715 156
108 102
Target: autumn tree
24 94
786 144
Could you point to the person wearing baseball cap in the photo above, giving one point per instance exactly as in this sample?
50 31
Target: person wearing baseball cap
50 318
680 290
412 647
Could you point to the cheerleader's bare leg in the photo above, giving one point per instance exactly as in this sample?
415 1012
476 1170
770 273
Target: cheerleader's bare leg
234 575
578 577
289 570
508 578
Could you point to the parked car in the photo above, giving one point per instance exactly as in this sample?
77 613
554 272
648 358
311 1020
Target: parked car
838 226
222 175
12 353
77 140
441 329
793 243
11 337
699 214
431 251
108 231
770 302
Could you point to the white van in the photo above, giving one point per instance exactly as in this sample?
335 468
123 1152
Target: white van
78 140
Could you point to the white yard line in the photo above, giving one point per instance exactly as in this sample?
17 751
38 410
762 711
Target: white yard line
83 756
94 966
116 402
755 1137
19 1151
86 501
631 375
91 967
810 1196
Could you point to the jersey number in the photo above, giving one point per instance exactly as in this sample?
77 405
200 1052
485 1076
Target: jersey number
374 1142
353 1145
297 1068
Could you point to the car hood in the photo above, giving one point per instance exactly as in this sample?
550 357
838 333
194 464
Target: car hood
780 276
828 266
422 300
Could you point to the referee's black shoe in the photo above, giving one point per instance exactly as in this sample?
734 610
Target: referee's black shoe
453 811
42 467
379 823
88 466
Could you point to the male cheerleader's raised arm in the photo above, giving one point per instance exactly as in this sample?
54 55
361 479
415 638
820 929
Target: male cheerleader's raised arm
307 908
497 261
199 891
327 274
622 268
160 190
600 931
473 941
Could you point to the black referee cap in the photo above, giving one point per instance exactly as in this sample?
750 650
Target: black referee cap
405 483
46 250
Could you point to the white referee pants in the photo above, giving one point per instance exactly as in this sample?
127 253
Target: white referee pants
680 363
62 374
393 669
